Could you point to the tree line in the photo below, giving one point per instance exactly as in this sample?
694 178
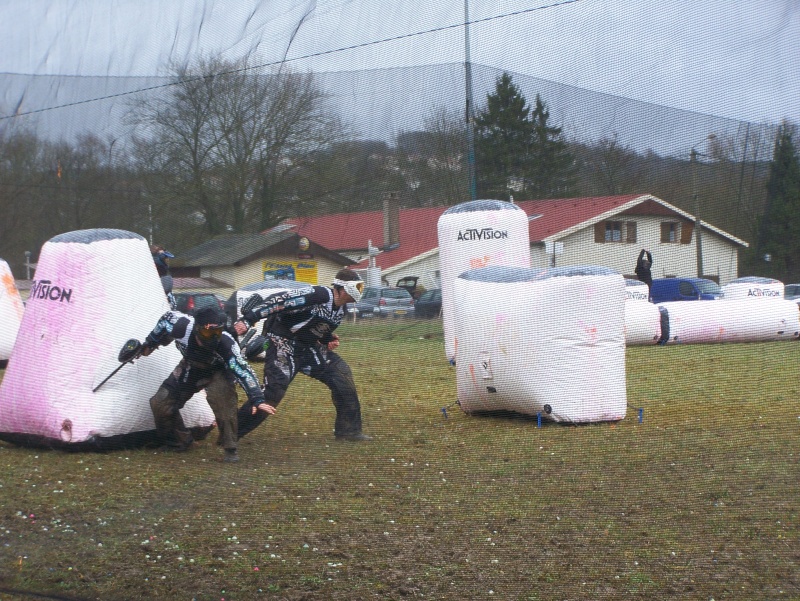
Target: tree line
226 150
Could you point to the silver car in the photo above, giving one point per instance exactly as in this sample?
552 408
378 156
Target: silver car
384 302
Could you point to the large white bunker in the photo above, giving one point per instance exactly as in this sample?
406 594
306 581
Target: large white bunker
94 290
549 342
11 310
478 234
741 320
754 288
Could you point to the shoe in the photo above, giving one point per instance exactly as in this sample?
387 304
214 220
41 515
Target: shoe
231 456
357 437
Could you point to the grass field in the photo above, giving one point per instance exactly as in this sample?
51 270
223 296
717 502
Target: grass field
699 501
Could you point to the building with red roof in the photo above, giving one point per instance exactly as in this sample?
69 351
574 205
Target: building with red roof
602 230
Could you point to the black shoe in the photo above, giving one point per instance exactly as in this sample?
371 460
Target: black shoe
231 456
357 437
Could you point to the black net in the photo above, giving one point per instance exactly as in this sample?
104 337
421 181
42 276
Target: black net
279 142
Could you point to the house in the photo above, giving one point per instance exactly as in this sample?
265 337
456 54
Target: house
603 230
226 263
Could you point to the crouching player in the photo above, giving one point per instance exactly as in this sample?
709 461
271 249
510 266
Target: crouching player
211 361
298 326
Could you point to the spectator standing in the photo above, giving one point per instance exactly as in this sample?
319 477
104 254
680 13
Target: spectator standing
161 259
643 266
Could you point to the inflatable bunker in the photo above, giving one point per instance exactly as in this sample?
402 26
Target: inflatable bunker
94 290
11 309
476 234
547 342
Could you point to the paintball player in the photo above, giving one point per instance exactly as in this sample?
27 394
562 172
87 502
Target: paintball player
299 335
211 361
161 259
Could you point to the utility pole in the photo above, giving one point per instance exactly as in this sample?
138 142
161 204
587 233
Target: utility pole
698 224
473 188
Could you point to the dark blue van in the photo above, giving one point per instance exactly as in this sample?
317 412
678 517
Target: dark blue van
684 289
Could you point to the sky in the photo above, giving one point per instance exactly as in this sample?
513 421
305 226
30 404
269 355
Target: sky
730 58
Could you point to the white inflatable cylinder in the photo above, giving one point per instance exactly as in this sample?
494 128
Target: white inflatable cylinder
642 323
94 290
697 322
636 290
753 287
477 234
11 310
547 342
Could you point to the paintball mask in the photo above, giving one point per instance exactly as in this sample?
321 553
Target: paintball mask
208 325
352 287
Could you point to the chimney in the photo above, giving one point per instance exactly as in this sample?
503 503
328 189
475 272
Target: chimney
391 218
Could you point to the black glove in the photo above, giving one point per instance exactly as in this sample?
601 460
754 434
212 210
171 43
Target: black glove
249 318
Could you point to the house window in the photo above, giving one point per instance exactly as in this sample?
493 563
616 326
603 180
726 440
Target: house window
615 231
670 232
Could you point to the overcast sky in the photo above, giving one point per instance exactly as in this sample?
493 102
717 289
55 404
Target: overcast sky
731 58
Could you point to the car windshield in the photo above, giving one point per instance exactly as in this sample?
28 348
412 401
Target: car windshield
708 287
395 293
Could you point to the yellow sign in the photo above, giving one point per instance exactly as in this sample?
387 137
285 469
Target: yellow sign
300 271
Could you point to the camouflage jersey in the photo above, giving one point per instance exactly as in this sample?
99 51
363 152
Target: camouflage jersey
178 326
306 315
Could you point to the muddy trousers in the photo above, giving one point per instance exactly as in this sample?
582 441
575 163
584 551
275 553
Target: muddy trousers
284 359
178 388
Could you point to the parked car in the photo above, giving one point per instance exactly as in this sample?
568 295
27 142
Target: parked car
429 304
190 302
684 289
411 284
385 301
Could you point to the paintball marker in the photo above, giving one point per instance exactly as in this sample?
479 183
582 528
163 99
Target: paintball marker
130 351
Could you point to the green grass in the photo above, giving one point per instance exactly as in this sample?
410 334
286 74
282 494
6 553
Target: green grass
698 501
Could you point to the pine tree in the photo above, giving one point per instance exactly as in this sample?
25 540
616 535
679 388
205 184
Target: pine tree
503 135
517 149
779 232
553 171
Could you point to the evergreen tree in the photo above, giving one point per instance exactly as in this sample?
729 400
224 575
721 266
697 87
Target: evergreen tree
779 232
503 136
553 171
518 150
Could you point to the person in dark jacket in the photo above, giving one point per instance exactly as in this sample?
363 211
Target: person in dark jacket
298 328
211 361
161 259
643 266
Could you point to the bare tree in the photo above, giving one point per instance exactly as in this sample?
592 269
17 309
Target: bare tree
226 139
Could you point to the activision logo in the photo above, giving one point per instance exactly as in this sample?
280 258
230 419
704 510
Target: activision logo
45 289
762 292
486 233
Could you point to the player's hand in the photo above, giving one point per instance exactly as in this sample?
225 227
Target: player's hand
240 327
265 407
334 344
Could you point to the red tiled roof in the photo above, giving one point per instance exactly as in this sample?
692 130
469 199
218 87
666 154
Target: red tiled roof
352 231
343 232
561 214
